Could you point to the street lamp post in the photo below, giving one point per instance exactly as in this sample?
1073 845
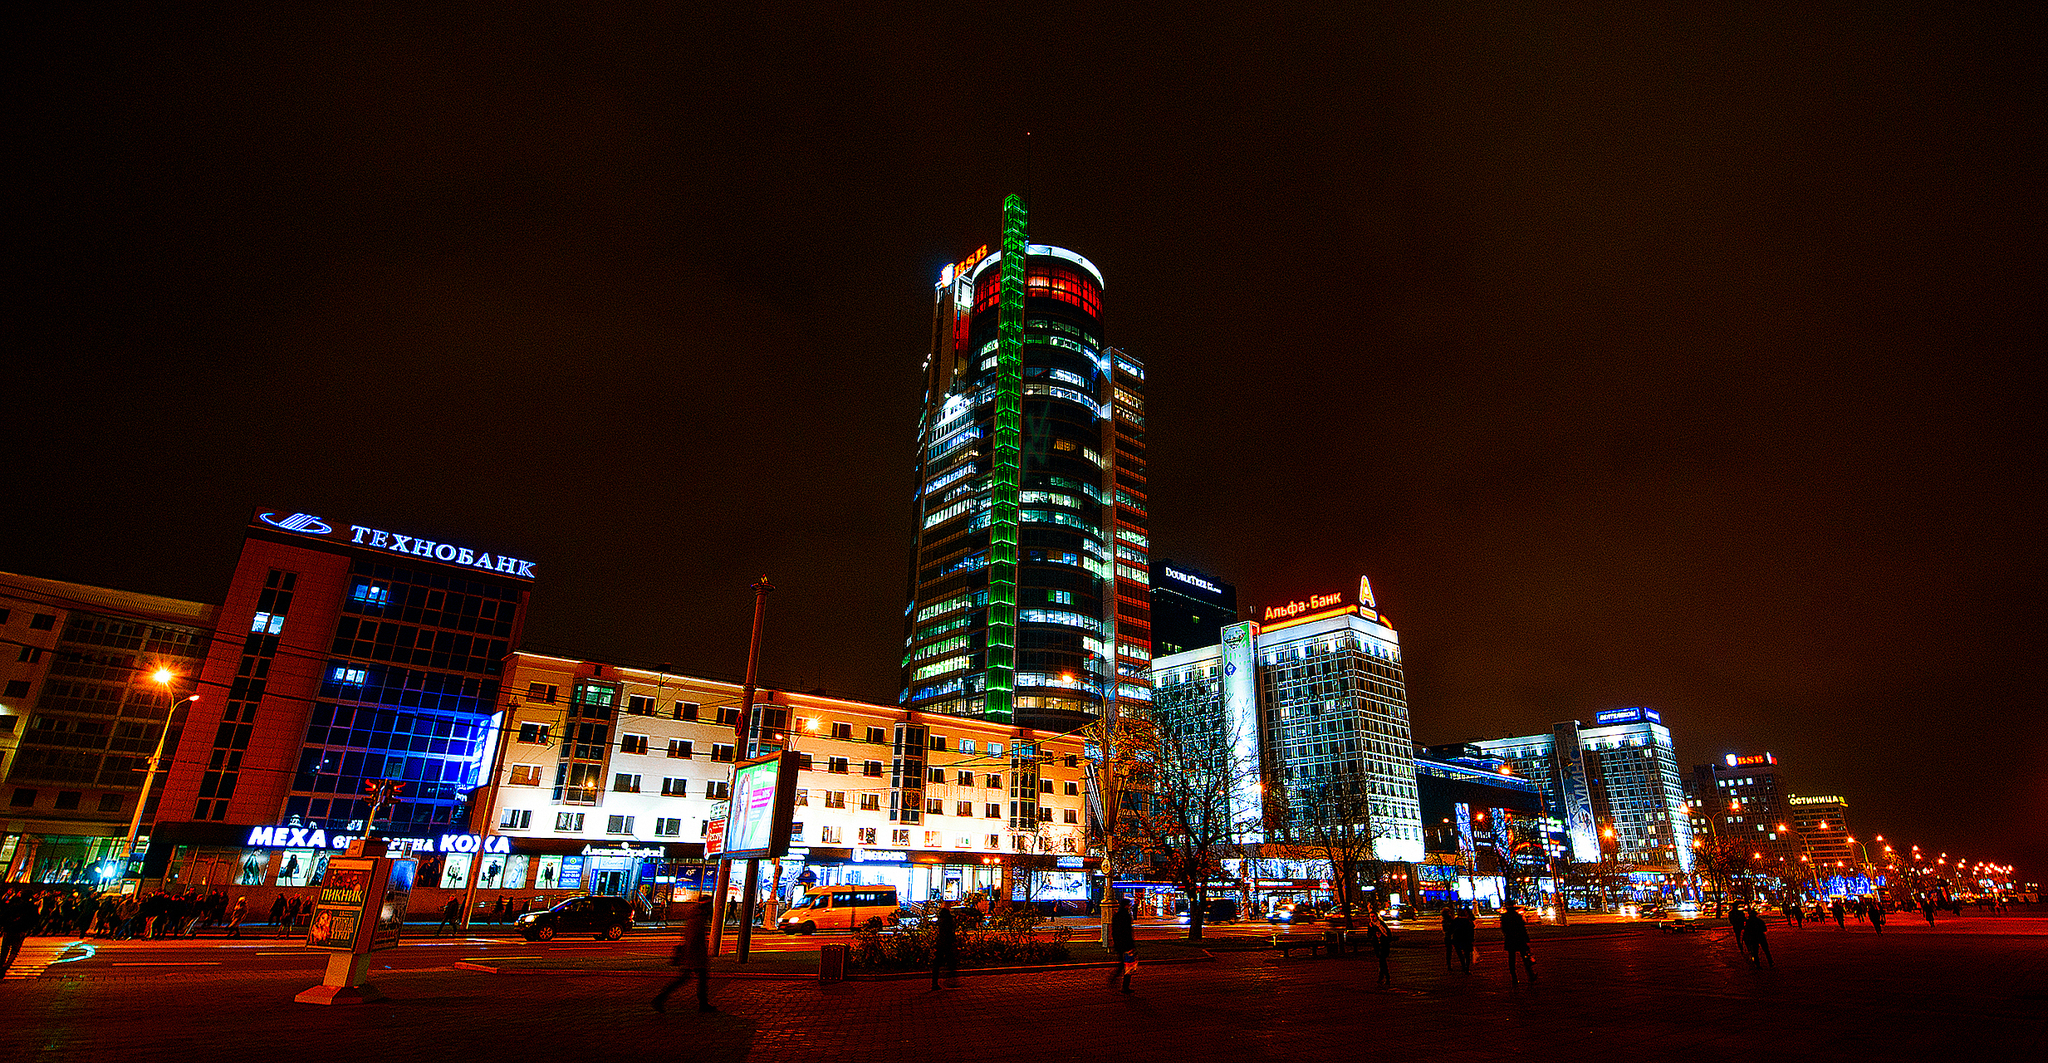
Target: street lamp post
165 678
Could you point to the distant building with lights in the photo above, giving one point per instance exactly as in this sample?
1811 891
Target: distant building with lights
80 715
1820 827
1029 595
1743 797
1620 774
1190 608
1308 701
1470 806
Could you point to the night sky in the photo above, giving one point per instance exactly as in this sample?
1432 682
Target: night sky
1687 359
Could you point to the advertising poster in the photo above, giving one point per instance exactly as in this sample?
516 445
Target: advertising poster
455 871
547 872
338 907
297 867
491 874
391 914
255 862
763 803
513 877
572 873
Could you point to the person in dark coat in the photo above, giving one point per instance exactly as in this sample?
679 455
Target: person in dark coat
1463 929
18 916
1927 909
1736 918
1450 933
1382 939
451 918
1515 936
945 946
1123 940
1753 937
1877 917
1840 914
277 914
692 955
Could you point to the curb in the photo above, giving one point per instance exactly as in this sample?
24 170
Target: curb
465 965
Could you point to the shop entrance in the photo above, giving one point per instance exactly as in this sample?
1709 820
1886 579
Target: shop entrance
608 883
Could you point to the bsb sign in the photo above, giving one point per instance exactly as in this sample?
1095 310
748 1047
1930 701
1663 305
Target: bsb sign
316 838
392 542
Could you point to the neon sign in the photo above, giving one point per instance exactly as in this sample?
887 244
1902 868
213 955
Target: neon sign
285 837
411 545
1750 761
1828 800
1191 580
1294 609
1627 716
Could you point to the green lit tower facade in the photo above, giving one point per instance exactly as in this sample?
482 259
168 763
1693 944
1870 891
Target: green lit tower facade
1029 596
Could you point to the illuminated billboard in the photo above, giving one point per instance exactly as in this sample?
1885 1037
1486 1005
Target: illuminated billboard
763 803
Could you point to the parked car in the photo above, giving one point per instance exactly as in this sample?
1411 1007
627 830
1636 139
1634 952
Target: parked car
606 918
839 908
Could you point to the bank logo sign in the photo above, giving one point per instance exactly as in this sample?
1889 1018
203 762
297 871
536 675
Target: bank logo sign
303 523
392 542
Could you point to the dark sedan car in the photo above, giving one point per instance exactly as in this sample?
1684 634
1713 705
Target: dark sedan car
1292 914
606 918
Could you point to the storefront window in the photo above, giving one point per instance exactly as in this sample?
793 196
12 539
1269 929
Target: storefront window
455 871
297 868
254 865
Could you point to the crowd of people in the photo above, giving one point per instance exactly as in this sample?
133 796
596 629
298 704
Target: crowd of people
154 915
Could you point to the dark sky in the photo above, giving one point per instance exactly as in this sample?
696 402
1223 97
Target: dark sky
1689 359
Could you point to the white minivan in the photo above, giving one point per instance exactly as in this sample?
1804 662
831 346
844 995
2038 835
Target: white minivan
839 908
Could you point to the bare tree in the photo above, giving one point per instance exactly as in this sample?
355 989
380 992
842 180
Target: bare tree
1191 821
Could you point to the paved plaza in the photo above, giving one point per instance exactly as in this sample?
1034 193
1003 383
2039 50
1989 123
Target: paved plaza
1975 986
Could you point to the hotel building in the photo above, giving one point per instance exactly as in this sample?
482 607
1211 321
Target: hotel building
1621 774
1190 609
1029 598
1743 798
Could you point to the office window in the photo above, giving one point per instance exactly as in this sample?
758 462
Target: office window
17 688
967 745
871 802
966 778
803 762
963 808
938 775
994 782
7 724
30 655
1072 816
110 802
829 834
718 791
934 806
796 831
536 733
680 748
618 825
803 797
721 753
843 731
899 837
992 811
639 705
625 783
939 743
686 710
872 769
42 621
668 827
540 692
867 835
995 749
933 839
1045 786
992 841
1044 814
673 787
516 819
634 744
23 798
833 798
836 765
1073 788
569 821
525 775
877 736
67 800
729 716
1073 761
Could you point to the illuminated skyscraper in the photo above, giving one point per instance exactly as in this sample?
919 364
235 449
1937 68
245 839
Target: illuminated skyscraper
1029 592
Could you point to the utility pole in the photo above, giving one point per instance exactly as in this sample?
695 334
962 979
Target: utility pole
741 750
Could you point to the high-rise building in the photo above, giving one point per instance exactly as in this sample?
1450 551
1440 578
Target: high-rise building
81 712
1309 703
1028 598
1744 799
1820 827
1619 775
1190 609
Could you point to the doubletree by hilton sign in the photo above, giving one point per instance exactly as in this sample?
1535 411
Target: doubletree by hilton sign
392 542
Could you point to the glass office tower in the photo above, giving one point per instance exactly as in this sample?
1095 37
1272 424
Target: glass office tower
1029 591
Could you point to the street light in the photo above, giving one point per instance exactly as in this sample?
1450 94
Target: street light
164 677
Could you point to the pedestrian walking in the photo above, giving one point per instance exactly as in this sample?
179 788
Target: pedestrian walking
1753 937
1123 940
277 914
1463 929
1841 916
1382 940
1927 909
498 910
945 946
18 916
1735 920
692 955
451 917
1515 932
1450 933
1877 917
